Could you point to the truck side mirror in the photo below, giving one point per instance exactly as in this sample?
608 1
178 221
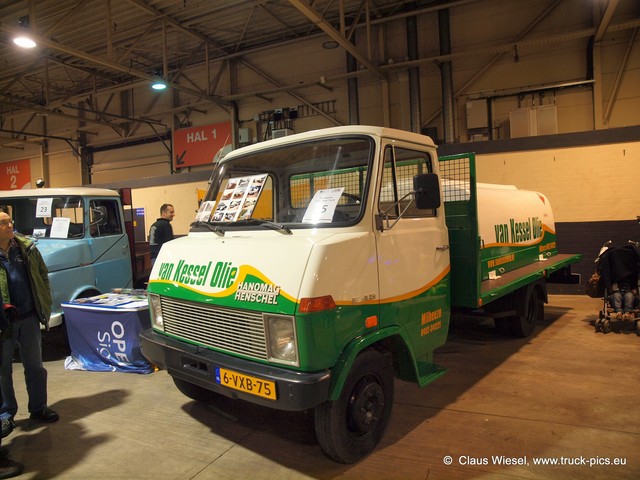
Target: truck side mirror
427 190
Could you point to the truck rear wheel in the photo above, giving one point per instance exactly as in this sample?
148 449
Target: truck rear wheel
194 392
350 427
530 311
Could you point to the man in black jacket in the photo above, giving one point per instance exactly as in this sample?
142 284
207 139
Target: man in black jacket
161 230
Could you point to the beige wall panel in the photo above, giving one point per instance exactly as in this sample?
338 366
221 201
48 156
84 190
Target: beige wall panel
575 110
119 173
626 105
370 110
64 167
584 184
64 170
140 161
531 69
19 151
182 196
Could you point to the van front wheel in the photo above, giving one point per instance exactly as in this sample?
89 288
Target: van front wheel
350 427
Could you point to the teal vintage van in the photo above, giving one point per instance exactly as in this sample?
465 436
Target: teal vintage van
82 236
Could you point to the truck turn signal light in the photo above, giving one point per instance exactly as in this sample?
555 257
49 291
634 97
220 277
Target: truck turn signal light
316 304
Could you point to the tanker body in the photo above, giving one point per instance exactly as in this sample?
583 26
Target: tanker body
503 247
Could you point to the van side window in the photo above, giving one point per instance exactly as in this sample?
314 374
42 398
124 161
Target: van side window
400 166
104 218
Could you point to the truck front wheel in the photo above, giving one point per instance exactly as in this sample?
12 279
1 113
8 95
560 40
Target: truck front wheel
350 427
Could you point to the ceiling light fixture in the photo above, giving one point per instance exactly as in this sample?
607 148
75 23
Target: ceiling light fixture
158 83
330 45
23 40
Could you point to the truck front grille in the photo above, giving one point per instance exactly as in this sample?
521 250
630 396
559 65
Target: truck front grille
231 330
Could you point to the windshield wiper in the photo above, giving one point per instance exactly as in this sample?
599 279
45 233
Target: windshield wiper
215 229
269 224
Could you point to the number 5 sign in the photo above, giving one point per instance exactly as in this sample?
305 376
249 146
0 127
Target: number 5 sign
15 175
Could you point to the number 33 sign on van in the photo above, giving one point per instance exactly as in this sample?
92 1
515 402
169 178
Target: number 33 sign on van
15 175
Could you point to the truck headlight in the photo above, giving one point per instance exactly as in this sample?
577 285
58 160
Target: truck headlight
281 339
156 311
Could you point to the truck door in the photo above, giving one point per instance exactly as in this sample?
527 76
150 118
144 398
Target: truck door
109 245
412 248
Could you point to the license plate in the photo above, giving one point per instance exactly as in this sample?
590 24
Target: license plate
246 383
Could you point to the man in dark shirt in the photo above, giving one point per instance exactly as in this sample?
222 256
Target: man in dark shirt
161 230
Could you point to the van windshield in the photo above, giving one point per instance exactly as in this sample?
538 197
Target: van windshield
307 184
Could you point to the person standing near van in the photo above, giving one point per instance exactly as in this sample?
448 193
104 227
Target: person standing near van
8 468
161 231
24 282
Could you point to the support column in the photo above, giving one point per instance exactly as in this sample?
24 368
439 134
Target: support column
415 102
446 77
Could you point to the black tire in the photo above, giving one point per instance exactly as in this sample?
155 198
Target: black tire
351 427
606 326
524 324
194 392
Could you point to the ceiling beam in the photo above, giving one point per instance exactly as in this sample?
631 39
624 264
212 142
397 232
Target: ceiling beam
334 34
606 20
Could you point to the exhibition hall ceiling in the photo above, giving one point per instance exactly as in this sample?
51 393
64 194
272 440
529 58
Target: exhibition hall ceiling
89 47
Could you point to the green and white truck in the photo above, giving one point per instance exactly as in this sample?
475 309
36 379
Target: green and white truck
324 264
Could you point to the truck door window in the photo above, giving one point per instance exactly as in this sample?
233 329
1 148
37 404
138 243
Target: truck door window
400 166
104 218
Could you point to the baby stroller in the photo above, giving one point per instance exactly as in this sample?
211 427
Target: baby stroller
619 269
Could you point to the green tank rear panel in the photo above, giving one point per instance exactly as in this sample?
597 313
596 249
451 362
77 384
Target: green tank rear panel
458 176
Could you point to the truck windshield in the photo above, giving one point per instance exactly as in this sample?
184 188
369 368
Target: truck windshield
307 184
50 217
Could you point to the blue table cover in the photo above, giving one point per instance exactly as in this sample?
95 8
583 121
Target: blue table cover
103 333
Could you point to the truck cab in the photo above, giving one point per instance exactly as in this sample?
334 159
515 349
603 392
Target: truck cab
320 266
305 276
81 235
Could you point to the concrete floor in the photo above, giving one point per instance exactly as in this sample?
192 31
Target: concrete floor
566 392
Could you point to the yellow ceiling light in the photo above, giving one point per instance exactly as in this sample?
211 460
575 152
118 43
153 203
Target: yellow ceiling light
23 40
